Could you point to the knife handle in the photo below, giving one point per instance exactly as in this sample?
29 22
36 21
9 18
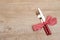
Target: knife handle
47 30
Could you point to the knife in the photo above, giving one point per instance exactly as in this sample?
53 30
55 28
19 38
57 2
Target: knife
42 18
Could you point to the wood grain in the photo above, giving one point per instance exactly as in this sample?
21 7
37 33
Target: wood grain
18 16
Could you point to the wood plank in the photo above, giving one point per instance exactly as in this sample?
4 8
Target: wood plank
18 16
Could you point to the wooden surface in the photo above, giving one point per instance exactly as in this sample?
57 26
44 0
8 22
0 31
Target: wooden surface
18 16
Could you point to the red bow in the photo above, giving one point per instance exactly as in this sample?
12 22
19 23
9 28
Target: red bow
49 21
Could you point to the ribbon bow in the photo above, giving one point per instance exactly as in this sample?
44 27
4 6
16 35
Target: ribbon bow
49 21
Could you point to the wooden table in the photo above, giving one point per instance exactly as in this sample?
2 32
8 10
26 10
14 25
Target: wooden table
18 16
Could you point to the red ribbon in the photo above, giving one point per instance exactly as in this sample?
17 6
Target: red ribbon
49 21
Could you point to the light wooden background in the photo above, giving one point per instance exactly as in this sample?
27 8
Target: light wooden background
18 16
